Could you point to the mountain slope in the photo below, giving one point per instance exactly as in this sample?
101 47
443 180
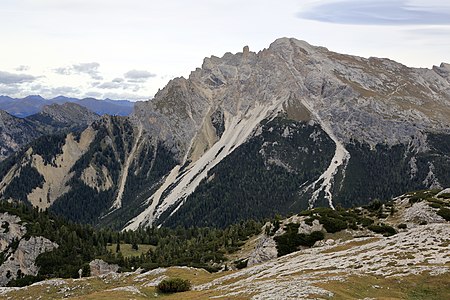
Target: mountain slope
372 109
251 135
67 115
98 175
17 132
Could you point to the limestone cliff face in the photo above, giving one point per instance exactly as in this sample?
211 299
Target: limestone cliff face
19 253
354 100
375 100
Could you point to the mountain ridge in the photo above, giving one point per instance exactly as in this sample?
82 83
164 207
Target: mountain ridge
32 104
17 132
312 128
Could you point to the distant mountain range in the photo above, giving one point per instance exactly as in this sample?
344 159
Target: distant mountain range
33 104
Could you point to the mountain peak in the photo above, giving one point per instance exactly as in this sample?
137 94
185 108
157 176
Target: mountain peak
292 42
34 97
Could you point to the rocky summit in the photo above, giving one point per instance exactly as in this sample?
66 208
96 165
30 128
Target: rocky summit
247 136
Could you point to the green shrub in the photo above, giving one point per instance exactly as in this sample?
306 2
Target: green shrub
24 280
445 213
386 230
333 225
374 205
241 263
402 226
174 285
366 222
290 241
435 205
445 196
309 221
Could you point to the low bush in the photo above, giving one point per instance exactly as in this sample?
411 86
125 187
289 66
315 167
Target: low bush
174 285
445 213
386 230
366 222
241 263
402 226
291 240
435 205
333 225
445 196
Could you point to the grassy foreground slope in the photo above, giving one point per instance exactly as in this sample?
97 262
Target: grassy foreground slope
353 263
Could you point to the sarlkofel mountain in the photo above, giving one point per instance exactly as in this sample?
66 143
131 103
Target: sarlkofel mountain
249 135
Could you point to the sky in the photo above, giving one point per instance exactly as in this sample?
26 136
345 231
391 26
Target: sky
128 49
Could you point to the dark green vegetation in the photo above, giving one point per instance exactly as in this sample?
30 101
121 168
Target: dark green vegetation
385 171
80 244
22 185
267 175
260 178
333 221
112 144
445 213
291 240
174 285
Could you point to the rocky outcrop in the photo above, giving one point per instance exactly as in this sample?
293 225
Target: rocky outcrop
22 260
14 133
420 213
10 230
100 267
308 229
19 254
265 250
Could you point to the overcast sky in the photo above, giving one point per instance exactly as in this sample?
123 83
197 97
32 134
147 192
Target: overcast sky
128 49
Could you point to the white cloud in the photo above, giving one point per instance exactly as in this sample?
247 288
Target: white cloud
12 78
90 69
378 12
138 75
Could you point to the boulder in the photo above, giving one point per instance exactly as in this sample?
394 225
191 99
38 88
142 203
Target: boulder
100 267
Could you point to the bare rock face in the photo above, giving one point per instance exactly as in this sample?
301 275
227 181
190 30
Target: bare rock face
100 267
353 99
19 254
375 100
421 212
22 260
444 191
308 229
10 230
265 250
